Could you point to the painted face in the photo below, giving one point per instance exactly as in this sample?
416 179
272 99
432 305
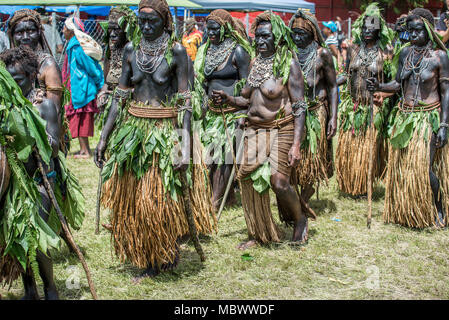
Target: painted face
265 40
117 36
26 33
19 75
213 31
151 24
418 33
302 38
370 29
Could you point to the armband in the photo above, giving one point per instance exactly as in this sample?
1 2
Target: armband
444 125
121 93
298 108
51 140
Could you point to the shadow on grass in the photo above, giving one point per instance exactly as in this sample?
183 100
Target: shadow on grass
64 254
234 233
378 194
287 234
71 291
323 206
189 266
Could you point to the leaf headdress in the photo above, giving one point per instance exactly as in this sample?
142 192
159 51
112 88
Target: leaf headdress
283 42
386 34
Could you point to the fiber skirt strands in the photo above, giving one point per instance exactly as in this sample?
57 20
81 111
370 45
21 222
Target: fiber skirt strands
274 148
316 165
409 199
352 158
214 137
10 268
146 220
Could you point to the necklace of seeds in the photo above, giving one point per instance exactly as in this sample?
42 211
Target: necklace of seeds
116 65
307 61
217 54
261 71
307 58
151 53
367 57
416 62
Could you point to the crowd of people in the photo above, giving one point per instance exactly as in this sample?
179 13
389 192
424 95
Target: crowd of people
187 124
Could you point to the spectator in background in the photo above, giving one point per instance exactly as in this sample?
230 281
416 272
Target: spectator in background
340 33
84 77
330 29
442 26
4 42
401 29
192 38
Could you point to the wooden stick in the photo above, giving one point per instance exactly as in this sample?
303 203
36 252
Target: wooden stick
229 139
65 228
189 214
97 216
370 164
231 179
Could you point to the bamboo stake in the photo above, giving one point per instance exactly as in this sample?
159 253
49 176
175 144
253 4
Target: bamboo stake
64 224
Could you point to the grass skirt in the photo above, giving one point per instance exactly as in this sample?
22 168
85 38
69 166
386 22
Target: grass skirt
147 218
258 215
409 199
352 157
316 165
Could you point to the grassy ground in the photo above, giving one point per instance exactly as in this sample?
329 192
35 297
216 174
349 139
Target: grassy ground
342 259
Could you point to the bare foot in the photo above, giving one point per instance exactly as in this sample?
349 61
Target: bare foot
82 156
107 226
247 245
171 265
301 232
439 221
150 272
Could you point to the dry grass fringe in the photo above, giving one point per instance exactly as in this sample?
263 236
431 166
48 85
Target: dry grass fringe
316 167
409 198
147 222
352 159
10 268
258 216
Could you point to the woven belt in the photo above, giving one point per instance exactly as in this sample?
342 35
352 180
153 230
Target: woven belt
424 108
319 104
271 125
152 112
54 89
219 110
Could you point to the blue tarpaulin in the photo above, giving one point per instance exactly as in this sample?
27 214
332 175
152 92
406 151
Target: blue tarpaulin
91 10
256 5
